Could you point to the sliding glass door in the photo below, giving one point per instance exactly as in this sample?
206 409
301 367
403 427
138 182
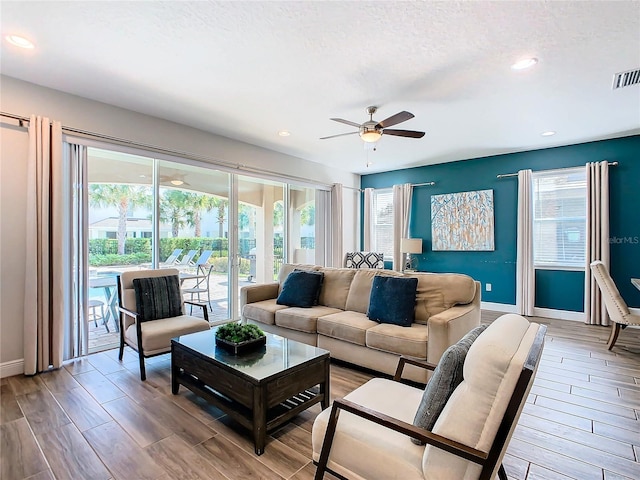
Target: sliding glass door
260 230
220 230
120 226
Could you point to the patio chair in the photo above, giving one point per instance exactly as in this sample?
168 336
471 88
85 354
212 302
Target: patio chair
171 259
93 316
186 259
151 313
369 433
201 263
201 286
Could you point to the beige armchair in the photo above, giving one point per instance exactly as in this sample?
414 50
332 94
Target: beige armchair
617 308
369 433
152 312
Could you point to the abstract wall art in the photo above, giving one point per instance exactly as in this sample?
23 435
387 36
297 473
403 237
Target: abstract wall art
462 221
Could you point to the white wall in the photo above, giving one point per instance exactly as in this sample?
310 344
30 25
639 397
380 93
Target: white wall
24 99
13 178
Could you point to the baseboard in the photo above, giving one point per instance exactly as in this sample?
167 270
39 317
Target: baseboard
537 311
559 314
498 307
14 367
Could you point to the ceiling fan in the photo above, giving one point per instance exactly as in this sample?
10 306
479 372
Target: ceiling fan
371 131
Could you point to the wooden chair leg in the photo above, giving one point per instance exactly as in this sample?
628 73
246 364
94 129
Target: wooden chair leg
502 474
615 331
121 353
143 372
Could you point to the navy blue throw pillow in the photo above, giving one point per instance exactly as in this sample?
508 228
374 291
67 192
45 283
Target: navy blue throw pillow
393 300
158 297
301 289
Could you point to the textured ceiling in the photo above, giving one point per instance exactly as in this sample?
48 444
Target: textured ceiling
246 70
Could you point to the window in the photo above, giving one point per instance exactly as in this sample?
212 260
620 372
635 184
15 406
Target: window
383 222
559 218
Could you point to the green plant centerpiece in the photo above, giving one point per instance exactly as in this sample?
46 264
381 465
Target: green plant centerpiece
237 338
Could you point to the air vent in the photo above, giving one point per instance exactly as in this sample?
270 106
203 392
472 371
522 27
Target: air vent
626 79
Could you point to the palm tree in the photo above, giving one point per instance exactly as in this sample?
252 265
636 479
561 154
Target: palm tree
201 202
221 204
176 208
308 214
123 197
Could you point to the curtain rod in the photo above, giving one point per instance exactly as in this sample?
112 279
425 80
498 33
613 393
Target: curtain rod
212 161
504 175
413 185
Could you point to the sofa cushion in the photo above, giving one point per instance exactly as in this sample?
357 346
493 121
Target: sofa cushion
157 335
360 290
335 287
158 297
411 341
302 319
446 377
438 292
393 300
347 326
300 289
263 312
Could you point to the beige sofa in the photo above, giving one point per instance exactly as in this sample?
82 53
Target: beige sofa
447 307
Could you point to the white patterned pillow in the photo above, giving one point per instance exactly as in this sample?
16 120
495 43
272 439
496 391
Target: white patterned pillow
364 260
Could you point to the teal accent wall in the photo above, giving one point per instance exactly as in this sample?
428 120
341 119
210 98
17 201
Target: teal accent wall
560 290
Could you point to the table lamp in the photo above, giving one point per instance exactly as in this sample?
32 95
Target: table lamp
410 246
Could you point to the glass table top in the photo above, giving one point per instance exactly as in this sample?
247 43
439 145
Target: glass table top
277 355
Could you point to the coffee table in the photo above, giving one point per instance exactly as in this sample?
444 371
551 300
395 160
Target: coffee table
260 390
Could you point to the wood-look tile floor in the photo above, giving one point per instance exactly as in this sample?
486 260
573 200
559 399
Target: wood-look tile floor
95 419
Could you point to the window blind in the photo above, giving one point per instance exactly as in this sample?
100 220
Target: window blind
559 218
383 222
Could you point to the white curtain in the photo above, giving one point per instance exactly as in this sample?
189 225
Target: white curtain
336 225
44 288
401 212
525 273
324 228
597 247
369 216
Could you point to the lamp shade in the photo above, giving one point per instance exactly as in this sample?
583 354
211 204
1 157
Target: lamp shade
411 245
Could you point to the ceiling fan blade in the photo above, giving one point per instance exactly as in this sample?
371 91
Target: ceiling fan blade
403 133
339 135
347 122
395 119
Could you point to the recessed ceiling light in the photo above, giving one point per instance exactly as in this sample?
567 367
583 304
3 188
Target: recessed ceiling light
19 41
284 133
548 133
524 63
176 182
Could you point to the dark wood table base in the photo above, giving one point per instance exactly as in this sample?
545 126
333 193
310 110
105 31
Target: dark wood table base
258 405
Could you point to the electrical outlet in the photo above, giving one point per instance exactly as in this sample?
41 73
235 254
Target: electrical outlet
487 287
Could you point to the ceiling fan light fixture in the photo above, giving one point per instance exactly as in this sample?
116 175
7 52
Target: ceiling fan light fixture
369 133
370 136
